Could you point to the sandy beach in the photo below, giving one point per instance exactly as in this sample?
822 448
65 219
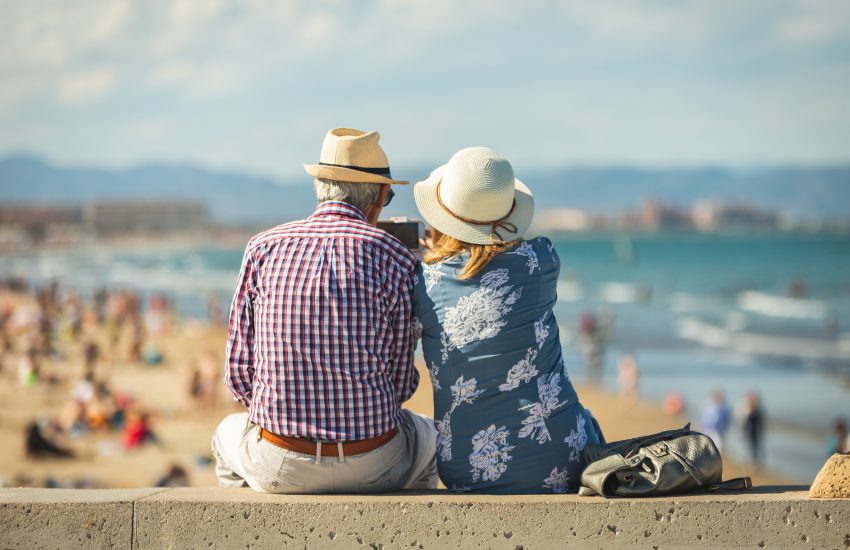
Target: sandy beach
184 429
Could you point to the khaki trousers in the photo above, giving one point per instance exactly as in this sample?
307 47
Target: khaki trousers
407 461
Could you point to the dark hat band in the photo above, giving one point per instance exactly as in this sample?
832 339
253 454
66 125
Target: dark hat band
376 171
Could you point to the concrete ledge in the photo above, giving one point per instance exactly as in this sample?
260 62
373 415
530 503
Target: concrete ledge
773 517
62 518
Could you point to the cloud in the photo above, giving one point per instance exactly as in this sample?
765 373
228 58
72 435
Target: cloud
86 86
148 128
817 21
183 22
194 80
112 20
318 28
599 79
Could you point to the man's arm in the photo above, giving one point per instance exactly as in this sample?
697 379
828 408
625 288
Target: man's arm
406 375
239 367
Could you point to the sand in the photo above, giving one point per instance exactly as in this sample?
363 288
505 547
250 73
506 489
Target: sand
185 431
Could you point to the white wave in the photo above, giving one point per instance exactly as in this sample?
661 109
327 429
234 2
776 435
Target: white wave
781 306
795 347
682 302
169 279
735 320
569 291
623 293
567 333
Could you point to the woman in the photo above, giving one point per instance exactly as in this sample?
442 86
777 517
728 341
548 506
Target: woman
508 418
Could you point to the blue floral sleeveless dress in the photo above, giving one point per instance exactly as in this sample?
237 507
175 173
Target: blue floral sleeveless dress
508 419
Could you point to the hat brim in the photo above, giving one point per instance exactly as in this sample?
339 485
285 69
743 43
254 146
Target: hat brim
425 195
347 174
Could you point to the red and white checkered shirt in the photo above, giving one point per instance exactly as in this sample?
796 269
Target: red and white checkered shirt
320 343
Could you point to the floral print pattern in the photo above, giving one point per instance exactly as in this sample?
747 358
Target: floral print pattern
531 261
490 453
432 276
534 425
577 439
463 391
480 315
434 371
444 437
541 330
523 371
507 417
557 481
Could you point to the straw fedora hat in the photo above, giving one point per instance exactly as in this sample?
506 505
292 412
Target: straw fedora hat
352 155
476 198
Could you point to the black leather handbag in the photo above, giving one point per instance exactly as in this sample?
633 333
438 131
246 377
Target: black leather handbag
671 462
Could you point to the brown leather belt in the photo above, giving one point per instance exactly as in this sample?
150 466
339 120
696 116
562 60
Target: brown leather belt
329 448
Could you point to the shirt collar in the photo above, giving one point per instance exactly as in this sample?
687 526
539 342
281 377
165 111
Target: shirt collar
338 208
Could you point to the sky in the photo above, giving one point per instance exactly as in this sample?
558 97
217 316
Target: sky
253 85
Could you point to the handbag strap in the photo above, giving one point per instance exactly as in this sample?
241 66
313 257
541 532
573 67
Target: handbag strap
734 484
686 464
628 446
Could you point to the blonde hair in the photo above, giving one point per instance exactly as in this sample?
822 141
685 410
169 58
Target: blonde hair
445 247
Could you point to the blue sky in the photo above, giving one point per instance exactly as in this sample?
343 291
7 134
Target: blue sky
254 84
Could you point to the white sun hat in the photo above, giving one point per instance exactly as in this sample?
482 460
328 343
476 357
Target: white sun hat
476 198
352 155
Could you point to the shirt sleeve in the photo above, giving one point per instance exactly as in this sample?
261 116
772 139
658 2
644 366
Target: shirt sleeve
406 375
239 368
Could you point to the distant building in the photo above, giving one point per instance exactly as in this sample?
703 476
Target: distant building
658 216
713 216
116 218
35 220
32 216
568 219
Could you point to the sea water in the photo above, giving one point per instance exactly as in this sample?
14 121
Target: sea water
699 312
704 313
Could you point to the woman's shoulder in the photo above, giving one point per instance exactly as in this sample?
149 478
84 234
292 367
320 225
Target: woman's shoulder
541 243
535 253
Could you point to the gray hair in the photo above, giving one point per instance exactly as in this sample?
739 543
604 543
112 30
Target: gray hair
358 195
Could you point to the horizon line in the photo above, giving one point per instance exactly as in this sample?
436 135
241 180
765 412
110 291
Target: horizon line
736 168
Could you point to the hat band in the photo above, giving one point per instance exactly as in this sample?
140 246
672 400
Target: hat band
495 225
377 171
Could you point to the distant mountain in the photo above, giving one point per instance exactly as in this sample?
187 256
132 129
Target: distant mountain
230 198
234 198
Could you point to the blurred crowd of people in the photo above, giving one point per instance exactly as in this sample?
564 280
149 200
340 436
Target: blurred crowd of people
52 339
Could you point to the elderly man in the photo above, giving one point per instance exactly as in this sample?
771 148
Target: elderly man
320 348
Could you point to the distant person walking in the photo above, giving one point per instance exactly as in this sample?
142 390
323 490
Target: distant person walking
839 440
628 375
593 336
754 425
320 349
716 418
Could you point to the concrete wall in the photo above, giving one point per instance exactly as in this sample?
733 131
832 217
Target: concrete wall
771 517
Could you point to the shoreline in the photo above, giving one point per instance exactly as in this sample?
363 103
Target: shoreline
184 428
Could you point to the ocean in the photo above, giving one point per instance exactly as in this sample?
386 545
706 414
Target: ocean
700 313
704 313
